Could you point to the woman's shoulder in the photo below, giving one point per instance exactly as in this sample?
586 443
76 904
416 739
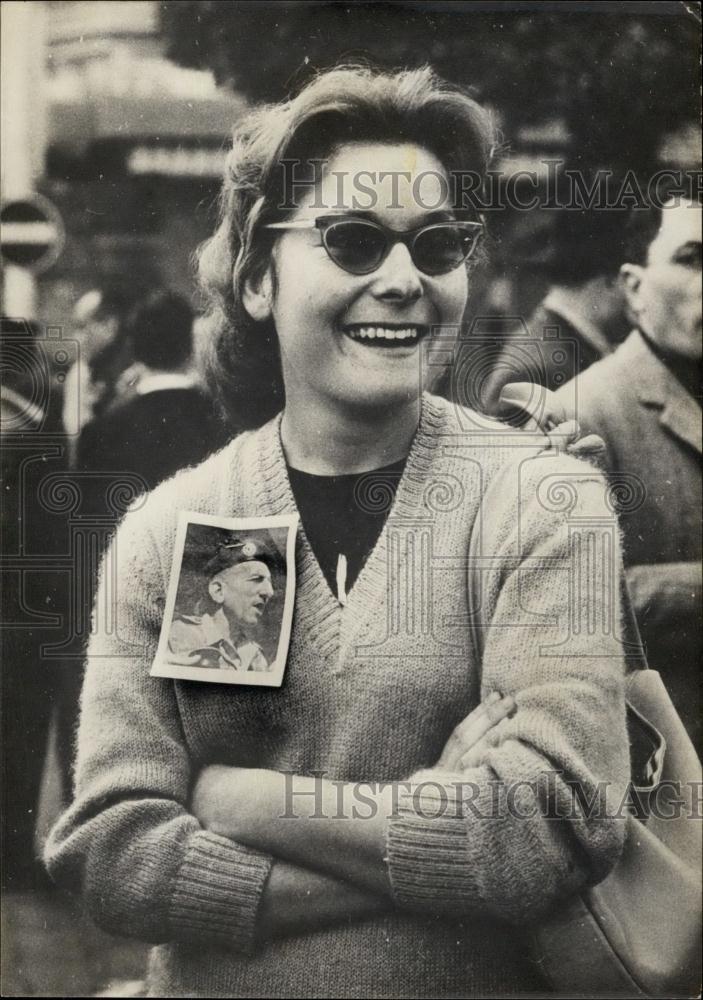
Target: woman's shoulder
447 423
519 479
496 446
449 417
472 443
539 501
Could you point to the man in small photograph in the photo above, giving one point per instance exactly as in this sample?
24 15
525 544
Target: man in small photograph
239 586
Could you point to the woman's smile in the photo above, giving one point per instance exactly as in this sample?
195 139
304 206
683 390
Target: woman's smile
387 335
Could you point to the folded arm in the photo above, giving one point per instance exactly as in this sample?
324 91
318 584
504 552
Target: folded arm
534 815
539 816
346 835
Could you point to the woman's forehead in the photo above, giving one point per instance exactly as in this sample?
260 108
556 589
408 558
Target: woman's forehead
381 178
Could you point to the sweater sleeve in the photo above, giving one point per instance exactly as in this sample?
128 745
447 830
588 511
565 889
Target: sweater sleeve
141 861
541 816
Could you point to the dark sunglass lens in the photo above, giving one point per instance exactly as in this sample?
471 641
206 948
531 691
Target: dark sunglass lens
439 249
355 246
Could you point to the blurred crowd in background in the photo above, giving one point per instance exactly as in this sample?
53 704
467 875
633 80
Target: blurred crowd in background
120 116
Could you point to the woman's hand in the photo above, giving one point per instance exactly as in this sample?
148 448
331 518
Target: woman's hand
297 899
206 800
465 745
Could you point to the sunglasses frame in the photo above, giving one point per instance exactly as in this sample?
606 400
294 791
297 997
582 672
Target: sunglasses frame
408 237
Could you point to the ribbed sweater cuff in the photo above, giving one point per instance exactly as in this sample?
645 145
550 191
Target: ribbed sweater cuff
427 855
217 893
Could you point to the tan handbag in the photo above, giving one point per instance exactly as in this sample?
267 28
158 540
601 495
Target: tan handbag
638 932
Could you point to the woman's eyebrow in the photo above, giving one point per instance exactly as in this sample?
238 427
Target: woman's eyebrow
442 215
344 213
425 219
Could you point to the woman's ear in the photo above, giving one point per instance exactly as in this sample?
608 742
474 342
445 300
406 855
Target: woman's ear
258 296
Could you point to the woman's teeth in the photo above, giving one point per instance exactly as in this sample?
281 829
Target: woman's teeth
384 333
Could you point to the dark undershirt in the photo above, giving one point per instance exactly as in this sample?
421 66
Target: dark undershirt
344 515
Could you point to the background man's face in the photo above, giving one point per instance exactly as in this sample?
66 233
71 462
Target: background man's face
243 591
96 331
666 293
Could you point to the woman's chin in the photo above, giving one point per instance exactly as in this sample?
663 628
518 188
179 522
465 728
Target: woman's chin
372 396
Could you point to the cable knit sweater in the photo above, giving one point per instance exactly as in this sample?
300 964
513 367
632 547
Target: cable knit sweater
372 691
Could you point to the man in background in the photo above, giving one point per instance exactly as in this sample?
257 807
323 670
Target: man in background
581 319
100 323
645 402
166 421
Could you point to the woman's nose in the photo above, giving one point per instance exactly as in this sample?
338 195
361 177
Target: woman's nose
397 278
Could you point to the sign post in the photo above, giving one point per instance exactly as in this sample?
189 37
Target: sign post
23 127
31 233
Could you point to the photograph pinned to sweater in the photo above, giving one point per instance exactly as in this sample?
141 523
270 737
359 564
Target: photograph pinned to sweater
229 606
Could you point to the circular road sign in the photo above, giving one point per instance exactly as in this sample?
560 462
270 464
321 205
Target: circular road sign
31 232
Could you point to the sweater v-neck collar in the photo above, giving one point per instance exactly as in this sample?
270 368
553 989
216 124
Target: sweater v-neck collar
332 625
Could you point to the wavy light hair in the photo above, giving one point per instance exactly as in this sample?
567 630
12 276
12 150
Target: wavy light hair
342 105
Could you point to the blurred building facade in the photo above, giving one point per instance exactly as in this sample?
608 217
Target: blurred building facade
134 148
134 151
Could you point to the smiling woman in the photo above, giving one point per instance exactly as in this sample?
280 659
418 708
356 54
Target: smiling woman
403 144
394 817
350 340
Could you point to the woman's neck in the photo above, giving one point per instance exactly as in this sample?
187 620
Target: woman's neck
326 442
